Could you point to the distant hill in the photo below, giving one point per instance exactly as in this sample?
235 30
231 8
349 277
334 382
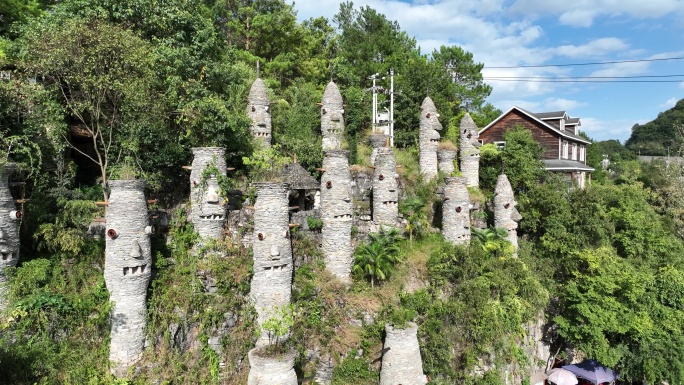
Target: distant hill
655 137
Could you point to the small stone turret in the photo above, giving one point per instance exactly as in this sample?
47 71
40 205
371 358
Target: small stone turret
456 211
445 158
470 151
505 214
428 138
268 369
336 212
385 195
401 363
377 142
9 229
332 118
128 268
272 281
208 212
259 112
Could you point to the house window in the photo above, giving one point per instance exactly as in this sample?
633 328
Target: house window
574 151
581 158
500 145
565 150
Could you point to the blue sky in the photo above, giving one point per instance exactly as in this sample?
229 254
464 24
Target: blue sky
549 32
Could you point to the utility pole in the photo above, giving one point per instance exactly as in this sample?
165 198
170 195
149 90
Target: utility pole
391 111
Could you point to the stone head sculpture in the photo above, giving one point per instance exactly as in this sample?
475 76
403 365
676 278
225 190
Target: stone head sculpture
208 208
258 110
505 213
9 221
470 151
429 118
332 118
456 211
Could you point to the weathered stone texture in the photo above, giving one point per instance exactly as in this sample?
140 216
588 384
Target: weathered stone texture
332 118
9 230
208 211
445 159
336 212
428 138
456 211
272 280
259 112
402 364
470 151
505 214
128 268
385 196
271 370
377 142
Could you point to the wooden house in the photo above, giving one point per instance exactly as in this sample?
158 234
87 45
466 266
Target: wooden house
565 151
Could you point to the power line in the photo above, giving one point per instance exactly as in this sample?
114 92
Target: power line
581 77
581 81
591 64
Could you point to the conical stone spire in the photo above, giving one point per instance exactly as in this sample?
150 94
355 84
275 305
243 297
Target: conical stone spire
505 214
332 118
470 151
428 138
259 112
9 229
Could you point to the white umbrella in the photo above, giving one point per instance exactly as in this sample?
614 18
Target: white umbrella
537 378
561 377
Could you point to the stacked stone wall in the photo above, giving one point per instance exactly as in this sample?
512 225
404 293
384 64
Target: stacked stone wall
9 230
445 159
428 138
456 211
332 118
385 195
259 112
401 363
272 280
208 211
377 142
470 151
268 369
128 268
505 214
336 212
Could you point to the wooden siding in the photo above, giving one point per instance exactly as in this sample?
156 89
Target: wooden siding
542 135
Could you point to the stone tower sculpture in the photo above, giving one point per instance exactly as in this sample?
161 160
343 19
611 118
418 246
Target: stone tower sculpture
385 196
332 118
377 142
428 138
456 211
445 159
401 363
271 370
505 214
9 229
336 212
208 212
470 151
272 280
128 268
259 112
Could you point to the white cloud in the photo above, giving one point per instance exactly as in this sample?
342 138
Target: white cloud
598 129
681 85
594 48
670 103
561 104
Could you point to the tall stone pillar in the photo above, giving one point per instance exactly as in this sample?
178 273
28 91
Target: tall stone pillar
272 281
445 159
128 268
208 211
259 112
332 118
9 230
401 363
265 369
456 211
336 212
377 142
428 138
470 151
505 214
385 195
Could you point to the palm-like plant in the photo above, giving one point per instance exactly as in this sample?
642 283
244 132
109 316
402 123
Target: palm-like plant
494 241
376 257
413 207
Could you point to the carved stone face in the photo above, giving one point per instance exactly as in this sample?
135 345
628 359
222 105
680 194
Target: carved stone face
211 208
